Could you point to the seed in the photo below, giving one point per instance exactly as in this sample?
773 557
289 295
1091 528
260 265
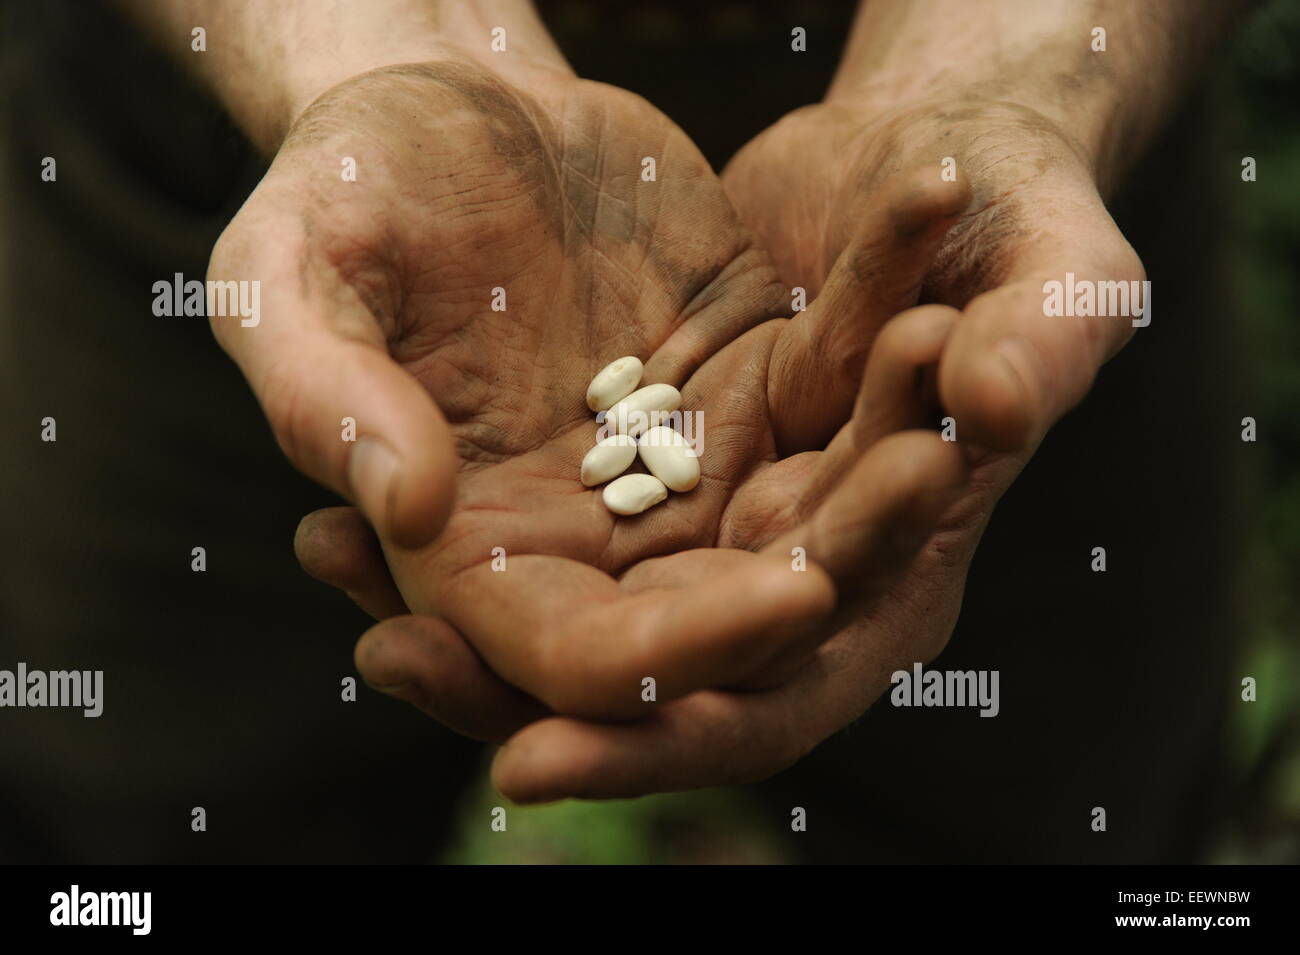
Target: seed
670 458
634 493
614 382
608 459
643 409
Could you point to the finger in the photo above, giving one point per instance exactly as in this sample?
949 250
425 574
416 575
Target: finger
868 529
818 361
743 294
716 738
726 738
898 391
343 411
1011 370
758 667
710 738
568 635
899 387
871 526
424 661
338 547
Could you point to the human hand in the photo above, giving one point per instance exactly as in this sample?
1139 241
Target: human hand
1040 126
807 203
805 186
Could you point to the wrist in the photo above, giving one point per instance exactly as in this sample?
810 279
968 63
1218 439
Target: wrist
964 115
522 56
268 61
1103 74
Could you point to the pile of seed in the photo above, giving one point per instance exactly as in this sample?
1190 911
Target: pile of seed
630 413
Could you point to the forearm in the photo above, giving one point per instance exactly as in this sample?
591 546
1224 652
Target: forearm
1039 54
266 60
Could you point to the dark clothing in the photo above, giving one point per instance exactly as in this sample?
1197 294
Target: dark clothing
223 688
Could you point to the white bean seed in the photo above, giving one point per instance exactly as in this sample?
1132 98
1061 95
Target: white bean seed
614 382
608 459
642 409
670 458
634 493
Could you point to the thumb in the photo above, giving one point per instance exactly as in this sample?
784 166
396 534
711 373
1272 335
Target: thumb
1019 358
347 415
343 411
817 362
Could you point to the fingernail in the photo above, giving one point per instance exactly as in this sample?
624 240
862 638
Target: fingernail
372 475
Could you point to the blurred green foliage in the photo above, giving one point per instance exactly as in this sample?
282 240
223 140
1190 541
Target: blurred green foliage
706 826
1265 266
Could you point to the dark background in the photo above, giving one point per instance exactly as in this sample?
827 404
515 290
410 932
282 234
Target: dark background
222 689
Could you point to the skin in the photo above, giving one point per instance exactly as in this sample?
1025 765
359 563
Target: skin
383 289
386 275
479 170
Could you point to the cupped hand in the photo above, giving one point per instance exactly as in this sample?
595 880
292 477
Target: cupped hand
497 247
1006 371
